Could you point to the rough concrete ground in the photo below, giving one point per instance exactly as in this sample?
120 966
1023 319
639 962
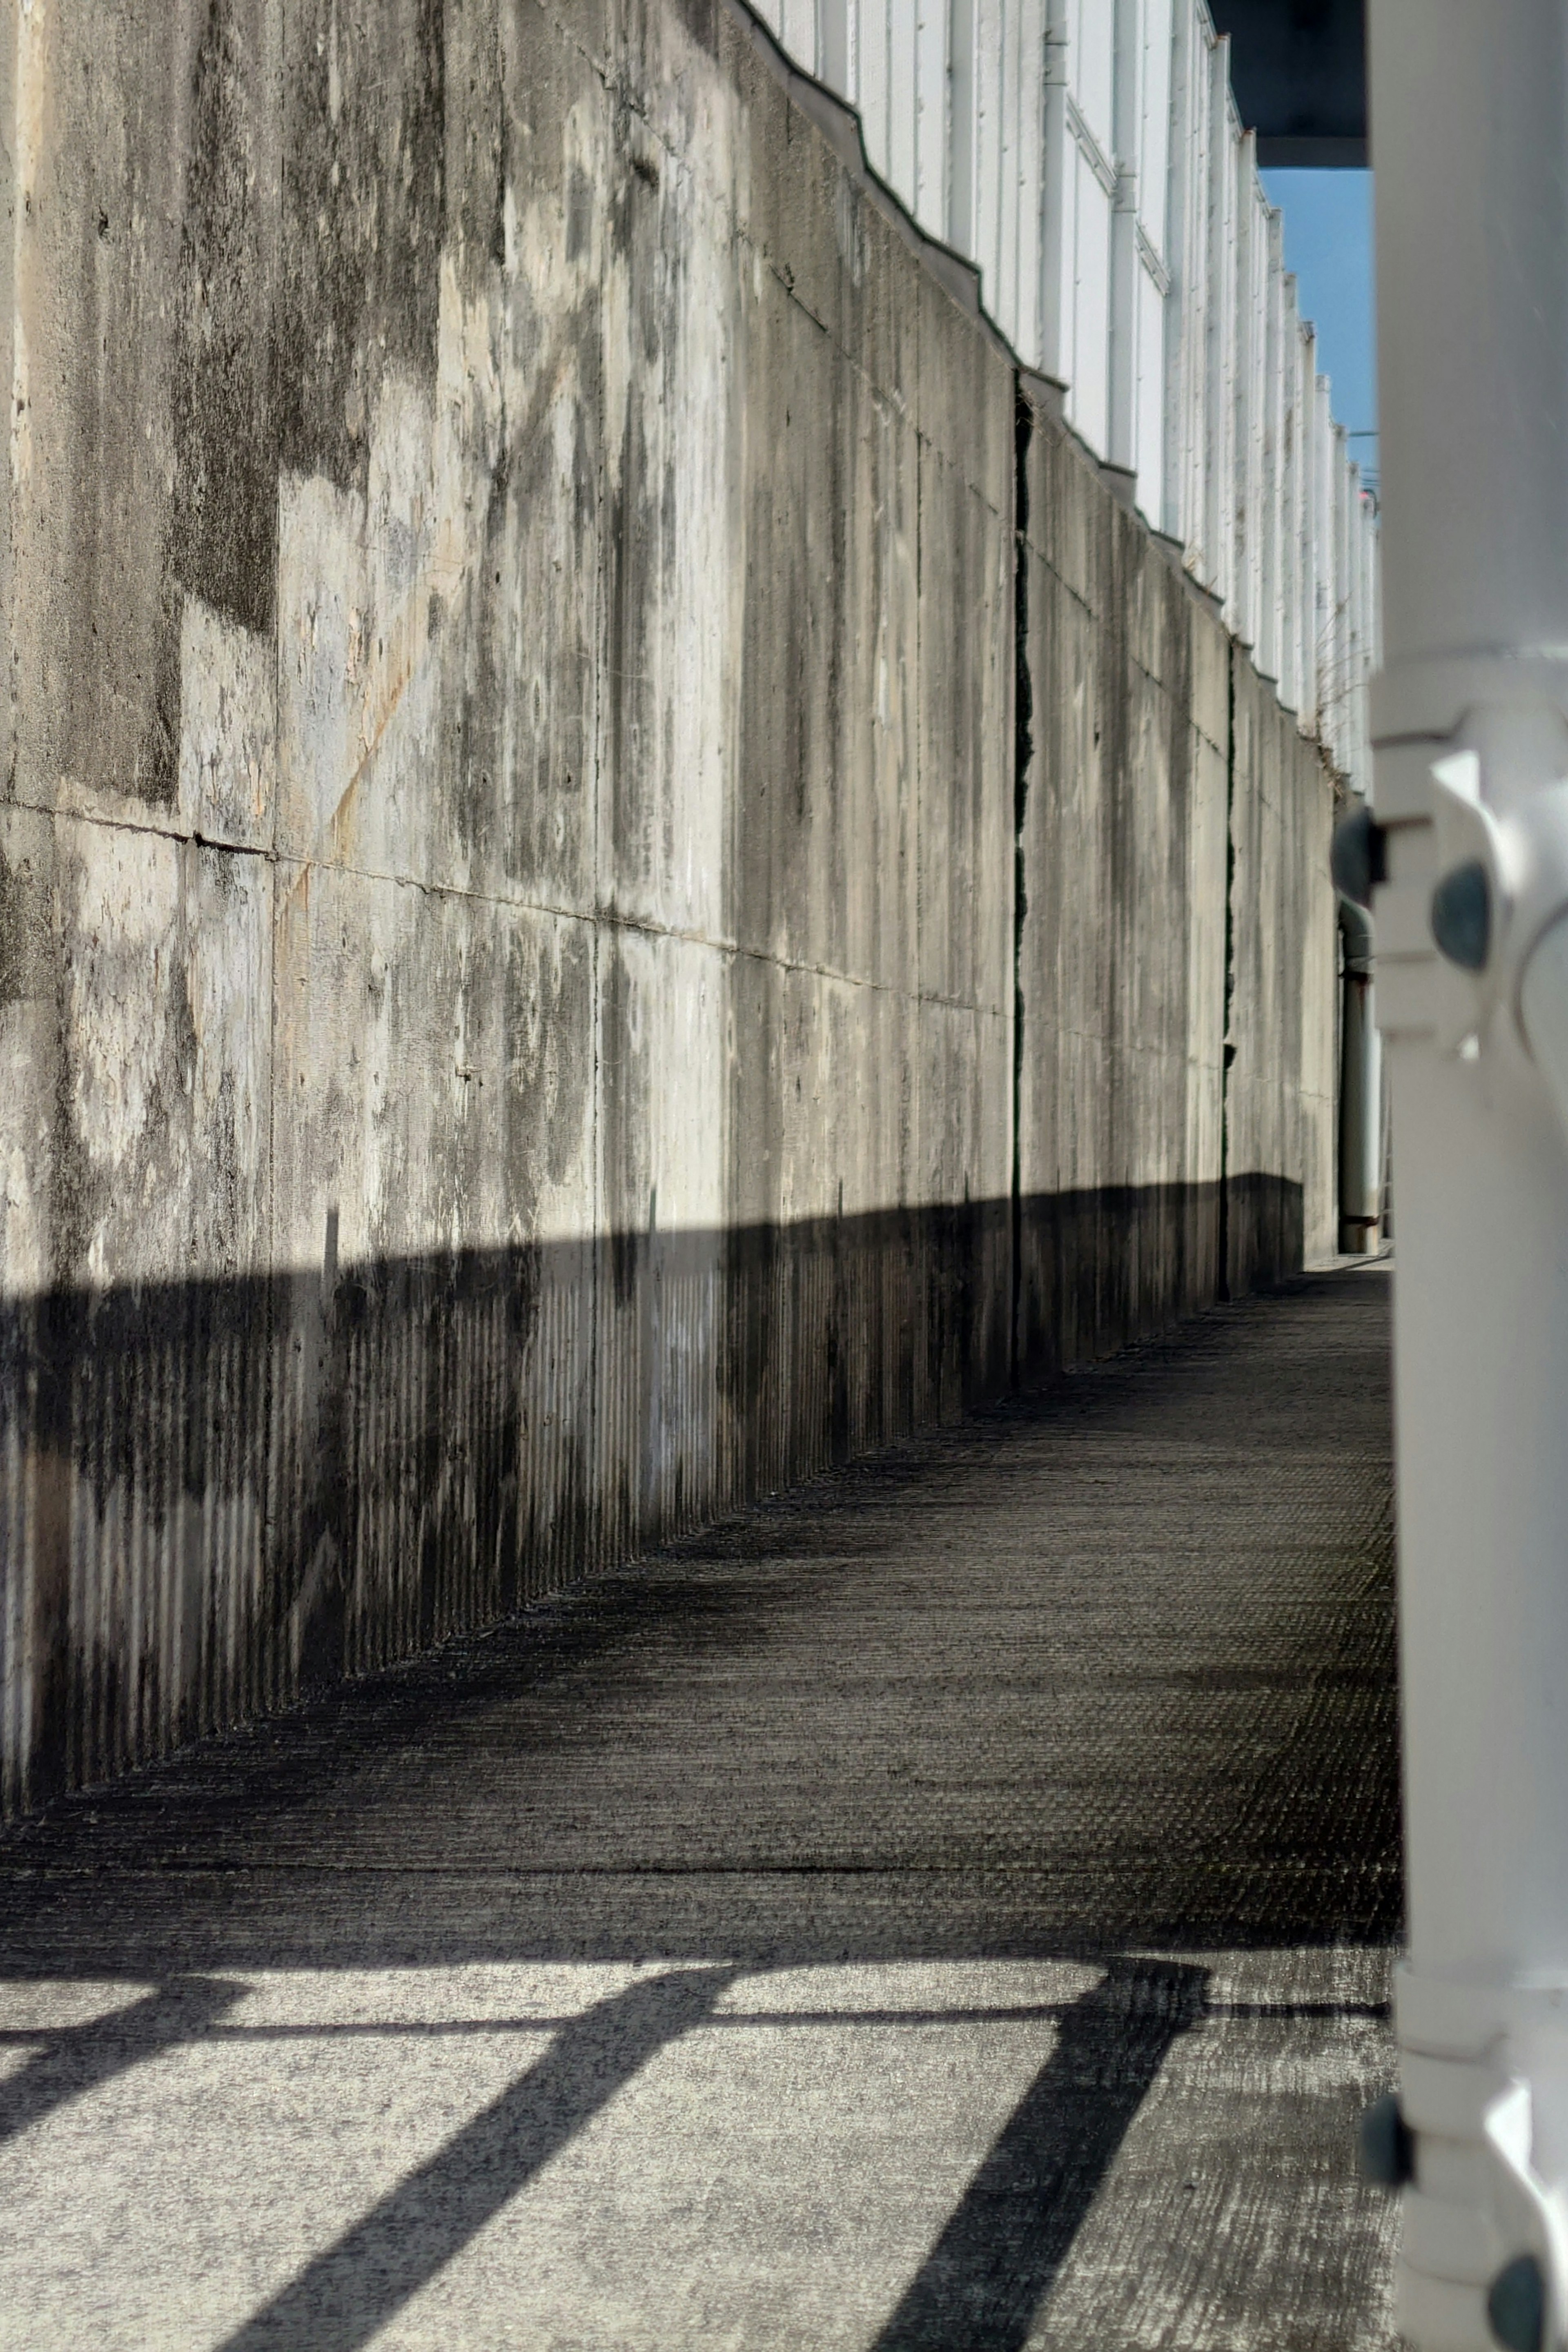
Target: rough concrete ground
949 1907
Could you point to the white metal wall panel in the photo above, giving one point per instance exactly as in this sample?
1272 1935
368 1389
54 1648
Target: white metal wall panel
1369 545
1272 519
1291 502
1251 331
1087 156
1345 680
1059 188
797 28
1243 405
1257 477
1355 645
1089 385
1322 553
932 93
902 53
1008 164
1158 32
1329 712
1092 50
1307 710
962 101
833 46
1029 147
872 93
1184 248
1148 443
1219 395
987 249
1122 430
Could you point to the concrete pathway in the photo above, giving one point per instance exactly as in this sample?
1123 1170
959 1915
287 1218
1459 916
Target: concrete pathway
949 1908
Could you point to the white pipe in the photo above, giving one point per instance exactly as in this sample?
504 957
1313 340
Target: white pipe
1471 137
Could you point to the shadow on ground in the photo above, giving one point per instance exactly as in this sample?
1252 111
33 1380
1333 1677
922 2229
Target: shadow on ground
1105 1678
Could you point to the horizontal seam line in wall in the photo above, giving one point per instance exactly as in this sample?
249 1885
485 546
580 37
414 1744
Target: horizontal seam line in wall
598 917
1102 621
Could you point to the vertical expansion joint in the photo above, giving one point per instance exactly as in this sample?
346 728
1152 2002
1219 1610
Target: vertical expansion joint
1023 754
1227 1048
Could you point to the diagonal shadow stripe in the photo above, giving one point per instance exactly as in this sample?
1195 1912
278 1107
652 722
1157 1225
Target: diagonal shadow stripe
984 2281
353 2288
79 2058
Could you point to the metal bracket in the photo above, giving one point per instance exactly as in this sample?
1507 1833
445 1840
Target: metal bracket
1484 2261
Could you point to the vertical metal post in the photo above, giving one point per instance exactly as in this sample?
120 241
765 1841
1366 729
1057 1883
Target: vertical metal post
1470 147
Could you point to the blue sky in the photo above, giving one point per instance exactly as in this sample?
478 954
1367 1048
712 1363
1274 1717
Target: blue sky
1327 244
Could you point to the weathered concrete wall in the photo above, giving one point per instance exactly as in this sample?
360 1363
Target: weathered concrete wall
1283 1202
1175 938
1122 931
508 954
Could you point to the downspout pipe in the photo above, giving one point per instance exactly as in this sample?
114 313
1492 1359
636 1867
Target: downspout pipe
1360 1088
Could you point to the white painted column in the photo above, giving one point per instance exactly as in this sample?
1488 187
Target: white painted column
1470 128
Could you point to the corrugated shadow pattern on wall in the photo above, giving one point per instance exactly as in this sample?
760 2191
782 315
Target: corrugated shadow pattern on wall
218 1493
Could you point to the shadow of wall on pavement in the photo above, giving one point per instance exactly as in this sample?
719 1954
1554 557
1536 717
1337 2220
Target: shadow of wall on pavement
219 1494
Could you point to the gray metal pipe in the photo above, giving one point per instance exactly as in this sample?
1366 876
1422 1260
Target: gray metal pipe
1360 1088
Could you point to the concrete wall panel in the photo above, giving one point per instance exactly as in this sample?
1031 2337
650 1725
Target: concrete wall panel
1279 1141
511 926
1175 942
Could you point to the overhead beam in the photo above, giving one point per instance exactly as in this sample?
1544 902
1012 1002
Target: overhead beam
1299 72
